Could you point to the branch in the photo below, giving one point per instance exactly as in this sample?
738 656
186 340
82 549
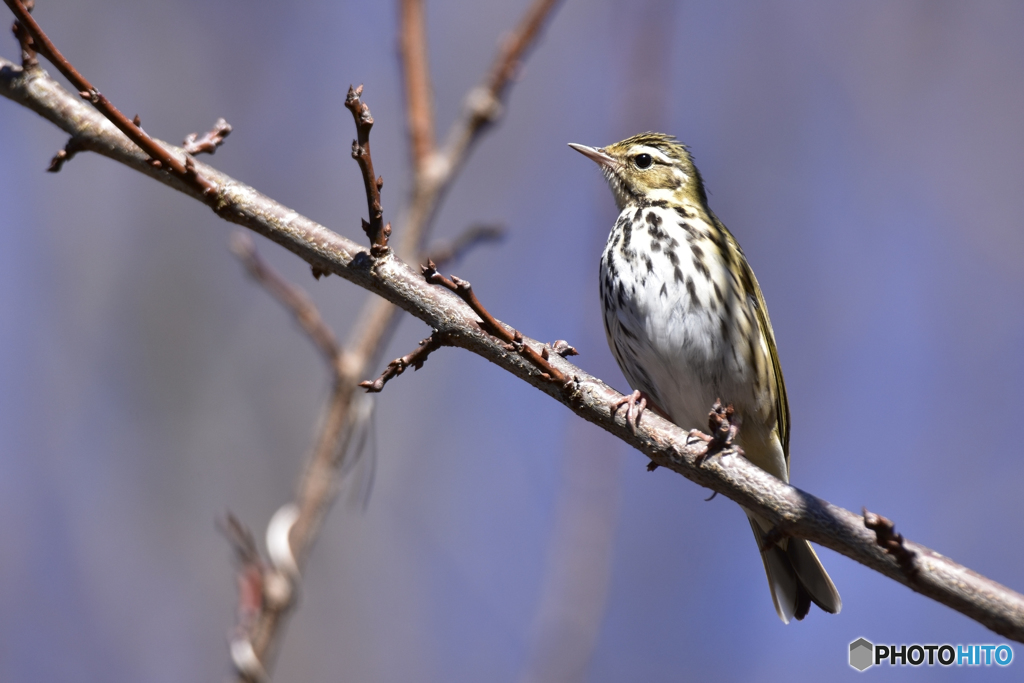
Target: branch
796 512
483 106
375 229
295 527
28 51
443 254
210 141
158 155
412 48
513 339
414 360
290 296
378 318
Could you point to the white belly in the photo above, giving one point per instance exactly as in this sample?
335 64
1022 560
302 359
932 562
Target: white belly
674 316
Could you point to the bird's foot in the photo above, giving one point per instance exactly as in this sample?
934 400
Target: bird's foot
723 430
636 404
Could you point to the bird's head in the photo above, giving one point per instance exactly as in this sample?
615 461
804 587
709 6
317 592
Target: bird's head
649 167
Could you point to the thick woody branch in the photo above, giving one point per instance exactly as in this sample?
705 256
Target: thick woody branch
375 229
800 513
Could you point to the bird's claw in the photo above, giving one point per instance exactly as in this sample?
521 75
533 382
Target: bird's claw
636 404
723 426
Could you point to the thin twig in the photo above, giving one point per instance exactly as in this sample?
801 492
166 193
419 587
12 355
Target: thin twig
210 140
64 155
443 254
412 48
483 106
290 296
375 228
158 154
887 538
513 339
28 51
379 317
415 360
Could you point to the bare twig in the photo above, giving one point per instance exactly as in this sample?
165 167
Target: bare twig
210 140
28 51
375 228
415 360
483 106
442 254
513 339
158 154
290 296
412 47
63 156
253 645
378 319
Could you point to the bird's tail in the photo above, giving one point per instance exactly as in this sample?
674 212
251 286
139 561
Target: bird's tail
795 575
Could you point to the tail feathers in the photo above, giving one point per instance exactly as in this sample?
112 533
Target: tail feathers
795 576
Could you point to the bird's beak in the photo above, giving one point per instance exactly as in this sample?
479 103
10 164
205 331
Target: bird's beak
595 154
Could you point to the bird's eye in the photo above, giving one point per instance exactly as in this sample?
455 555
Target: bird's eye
643 160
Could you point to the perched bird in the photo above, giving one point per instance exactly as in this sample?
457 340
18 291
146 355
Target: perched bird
688 325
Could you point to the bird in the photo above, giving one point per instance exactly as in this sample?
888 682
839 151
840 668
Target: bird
687 322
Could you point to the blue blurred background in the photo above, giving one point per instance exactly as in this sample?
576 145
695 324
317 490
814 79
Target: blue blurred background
868 156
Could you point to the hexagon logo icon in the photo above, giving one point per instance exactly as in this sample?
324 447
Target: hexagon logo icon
862 654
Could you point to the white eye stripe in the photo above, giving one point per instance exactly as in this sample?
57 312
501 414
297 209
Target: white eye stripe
644 149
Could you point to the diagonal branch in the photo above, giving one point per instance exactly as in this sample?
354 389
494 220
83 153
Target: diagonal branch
158 154
797 512
290 296
483 106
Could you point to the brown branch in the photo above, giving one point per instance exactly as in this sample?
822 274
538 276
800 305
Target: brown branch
415 360
515 46
802 514
376 323
483 106
28 51
63 156
210 140
375 229
252 646
412 48
158 154
513 339
443 254
290 296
